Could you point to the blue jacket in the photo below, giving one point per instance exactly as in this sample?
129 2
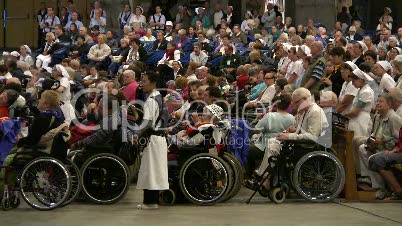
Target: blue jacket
239 142
10 130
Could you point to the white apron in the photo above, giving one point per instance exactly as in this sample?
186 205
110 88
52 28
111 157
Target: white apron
68 112
153 174
361 125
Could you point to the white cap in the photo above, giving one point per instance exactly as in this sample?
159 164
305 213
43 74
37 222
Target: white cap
28 49
397 59
385 65
262 41
286 47
352 65
359 73
169 23
352 28
306 50
202 67
14 54
6 53
363 45
215 110
388 9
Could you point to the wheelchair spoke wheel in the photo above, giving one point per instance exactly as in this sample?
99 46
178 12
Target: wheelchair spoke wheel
319 177
105 178
205 179
237 176
45 183
75 181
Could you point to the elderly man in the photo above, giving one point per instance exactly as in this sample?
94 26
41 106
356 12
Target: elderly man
184 42
99 20
84 33
230 60
130 84
310 122
198 56
266 96
268 19
238 37
353 35
384 134
99 54
359 48
315 72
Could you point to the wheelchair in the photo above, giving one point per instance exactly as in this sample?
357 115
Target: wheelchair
201 177
105 177
312 170
44 180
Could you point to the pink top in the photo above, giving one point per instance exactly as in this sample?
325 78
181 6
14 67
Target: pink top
130 91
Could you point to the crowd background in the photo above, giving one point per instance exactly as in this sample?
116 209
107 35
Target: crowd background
207 53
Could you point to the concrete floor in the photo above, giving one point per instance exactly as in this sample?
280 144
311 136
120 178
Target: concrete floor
233 212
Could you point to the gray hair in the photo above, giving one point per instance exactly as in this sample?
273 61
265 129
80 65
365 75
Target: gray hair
310 38
125 40
393 38
23 65
129 72
198 44
396 94
182 32
292 29
302 93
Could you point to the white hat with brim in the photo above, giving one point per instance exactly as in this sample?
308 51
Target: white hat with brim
398 59
169 23
14 54
363 45
360 74
306 50
385 65
215 110
352 65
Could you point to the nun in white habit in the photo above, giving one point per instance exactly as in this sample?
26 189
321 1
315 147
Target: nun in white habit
359 117
61 74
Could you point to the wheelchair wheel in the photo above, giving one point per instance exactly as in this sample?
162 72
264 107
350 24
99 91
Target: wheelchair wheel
45 183
105 178
205 179
237 180
277 195
167 197
319 177
75 181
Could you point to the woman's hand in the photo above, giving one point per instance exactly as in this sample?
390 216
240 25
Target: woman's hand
195 117
326 81
291 129
283 136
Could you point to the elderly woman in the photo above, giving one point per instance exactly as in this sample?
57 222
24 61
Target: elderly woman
45 56
171 54
397 70
60 74
381 70
269 127
311 121
349 91
384 134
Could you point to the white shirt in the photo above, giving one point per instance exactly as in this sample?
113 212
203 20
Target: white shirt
217 18
91 77
347 89
267 96
295 68
151 109
387 83
140 19
283 62
364 96
203 58
158 19
191 78
244 26
100 51
65 95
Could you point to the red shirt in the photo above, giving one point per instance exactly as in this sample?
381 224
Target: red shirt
130 91
4 112
242 81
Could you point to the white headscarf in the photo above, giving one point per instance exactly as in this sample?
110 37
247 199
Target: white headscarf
385 65
359 73
62 70
28 49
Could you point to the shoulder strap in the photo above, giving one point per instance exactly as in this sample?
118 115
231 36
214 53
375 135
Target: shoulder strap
160 105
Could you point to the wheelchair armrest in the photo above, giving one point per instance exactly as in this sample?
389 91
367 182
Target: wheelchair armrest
299 142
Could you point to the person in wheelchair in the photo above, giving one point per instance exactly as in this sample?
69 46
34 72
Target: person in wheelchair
7 98
203 131
48 119
310 122
269 127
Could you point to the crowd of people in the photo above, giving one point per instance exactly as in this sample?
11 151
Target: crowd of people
297 74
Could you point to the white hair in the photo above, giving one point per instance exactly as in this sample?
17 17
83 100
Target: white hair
129 72
310 38
393 38
23 65
182 32
292 29
302 93
322 29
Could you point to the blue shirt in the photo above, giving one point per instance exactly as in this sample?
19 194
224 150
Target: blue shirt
256 91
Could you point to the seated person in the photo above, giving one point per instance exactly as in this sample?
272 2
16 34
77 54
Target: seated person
267 95
269 127
384 135
119 55
48 119
203 131
80 48
45 53
381 163
311 121
171 54
230 60
99 53
7 98
160 43
105 134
